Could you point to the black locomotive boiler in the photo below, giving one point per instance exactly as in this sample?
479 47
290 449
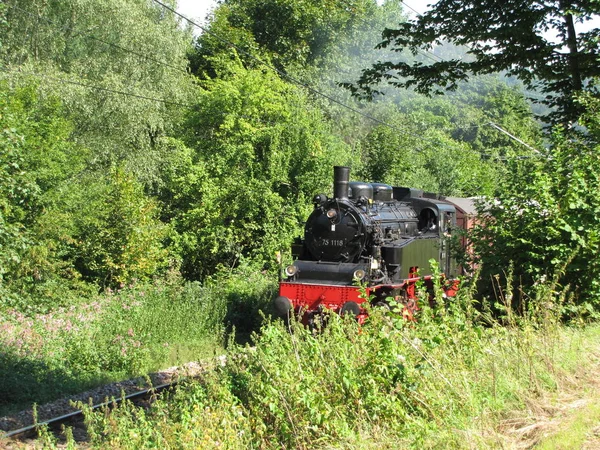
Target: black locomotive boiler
372 234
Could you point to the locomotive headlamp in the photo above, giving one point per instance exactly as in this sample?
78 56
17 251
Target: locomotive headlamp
331 214
359 274
290 271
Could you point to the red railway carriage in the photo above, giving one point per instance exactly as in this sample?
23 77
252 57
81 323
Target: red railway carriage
372 234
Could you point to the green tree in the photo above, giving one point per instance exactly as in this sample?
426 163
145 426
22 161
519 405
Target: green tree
16 190
36 156
509 36
428 160
86 52
119 69
290 33
116 237
545 219
260 152
448 144
483 103
59 221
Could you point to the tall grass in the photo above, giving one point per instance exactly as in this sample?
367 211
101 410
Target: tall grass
455 379
106 338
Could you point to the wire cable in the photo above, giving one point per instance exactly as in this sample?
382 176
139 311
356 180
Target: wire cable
423 52
149 58
411 8
189 106
96 38
492 124
417 148
300 83
280 72
93 86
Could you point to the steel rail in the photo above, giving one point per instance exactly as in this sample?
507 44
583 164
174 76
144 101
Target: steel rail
60 419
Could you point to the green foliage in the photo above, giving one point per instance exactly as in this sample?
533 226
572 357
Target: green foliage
435 163
248 302
545 218
15 190
479 104
212 57
37 157
117 235
503 37
260 151
96 229
390 383
68 215
446 144
109 337
81 50
449 144
290 33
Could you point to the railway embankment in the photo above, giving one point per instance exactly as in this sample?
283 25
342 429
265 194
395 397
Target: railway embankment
454 379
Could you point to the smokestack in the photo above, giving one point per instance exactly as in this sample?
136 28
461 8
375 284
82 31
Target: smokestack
341 177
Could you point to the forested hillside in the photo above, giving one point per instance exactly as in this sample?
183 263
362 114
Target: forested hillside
134 150
146 165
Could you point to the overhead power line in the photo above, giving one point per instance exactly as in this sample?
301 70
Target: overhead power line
103 41
93 86
278 71
300 83
502 130
157 61
425 53
411 8
227 42
492 124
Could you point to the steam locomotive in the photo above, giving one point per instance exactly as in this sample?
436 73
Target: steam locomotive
369 234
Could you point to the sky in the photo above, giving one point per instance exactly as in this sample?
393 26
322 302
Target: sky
197 9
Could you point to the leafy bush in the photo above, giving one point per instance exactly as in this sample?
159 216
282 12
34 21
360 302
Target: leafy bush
545 221
59 222
389 383
76 162
117 235
244 192
34 150
110 337
248 292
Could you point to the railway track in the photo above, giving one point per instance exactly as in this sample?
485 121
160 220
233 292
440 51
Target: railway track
75 418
